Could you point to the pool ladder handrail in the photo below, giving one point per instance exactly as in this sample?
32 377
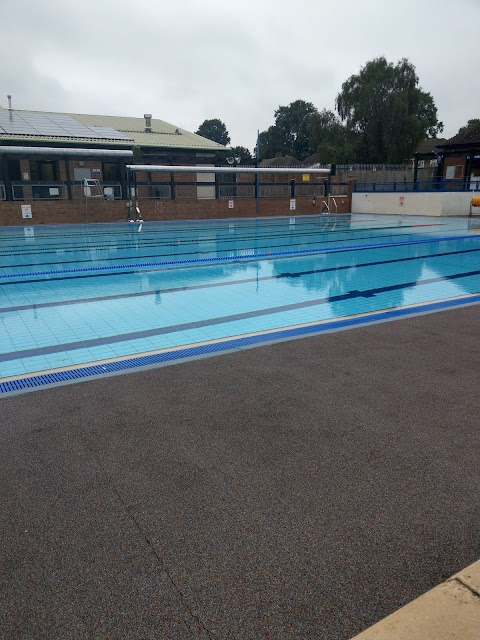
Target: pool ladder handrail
326 205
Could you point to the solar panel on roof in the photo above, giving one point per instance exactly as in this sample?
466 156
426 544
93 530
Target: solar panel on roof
54 125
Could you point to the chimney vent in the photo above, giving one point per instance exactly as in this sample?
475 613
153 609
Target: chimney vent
9 98
148 122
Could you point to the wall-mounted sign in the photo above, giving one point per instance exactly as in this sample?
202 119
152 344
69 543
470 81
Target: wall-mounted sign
26 176
401 201
231 204
293 204
26 210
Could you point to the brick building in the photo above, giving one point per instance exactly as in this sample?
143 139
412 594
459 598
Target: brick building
459 157
46 156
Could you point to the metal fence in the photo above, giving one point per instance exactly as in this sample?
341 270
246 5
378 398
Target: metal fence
236 191
365 173
153 191
430 185
39 191
106 190
3 193
274 191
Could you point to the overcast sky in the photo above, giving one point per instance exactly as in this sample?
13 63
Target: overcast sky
238 60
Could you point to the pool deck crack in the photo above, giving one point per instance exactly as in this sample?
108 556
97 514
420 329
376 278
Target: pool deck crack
157 556
143 535
464 583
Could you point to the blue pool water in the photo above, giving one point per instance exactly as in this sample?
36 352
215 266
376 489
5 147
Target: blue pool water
76 294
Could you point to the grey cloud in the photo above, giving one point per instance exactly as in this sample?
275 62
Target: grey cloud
195 59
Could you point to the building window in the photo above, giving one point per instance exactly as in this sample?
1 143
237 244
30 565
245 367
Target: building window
454 172
111 172
43 171
13 169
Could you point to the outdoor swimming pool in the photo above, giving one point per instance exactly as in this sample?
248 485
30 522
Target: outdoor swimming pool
77 294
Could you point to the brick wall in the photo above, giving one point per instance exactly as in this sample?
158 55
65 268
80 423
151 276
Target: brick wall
75 212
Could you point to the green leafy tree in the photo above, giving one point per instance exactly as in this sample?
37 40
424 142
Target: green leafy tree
241 152
290 135
332 141
384 106
270 143
471 125
214 130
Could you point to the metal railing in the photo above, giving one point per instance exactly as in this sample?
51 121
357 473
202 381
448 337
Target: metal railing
110 190
339 189
154 191
236 191
274 191
39 191
431 185
187 191
3 193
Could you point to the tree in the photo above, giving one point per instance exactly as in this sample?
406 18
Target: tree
332 141
290 135
471 125
214 130
387 109
241 152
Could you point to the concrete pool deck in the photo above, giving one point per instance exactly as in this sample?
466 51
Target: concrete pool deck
303 489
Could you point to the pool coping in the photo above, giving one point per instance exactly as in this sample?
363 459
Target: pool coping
13 385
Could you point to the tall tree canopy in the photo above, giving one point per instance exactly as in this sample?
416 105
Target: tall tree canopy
331 140
391 114
290 135
470 126
241 152
214 130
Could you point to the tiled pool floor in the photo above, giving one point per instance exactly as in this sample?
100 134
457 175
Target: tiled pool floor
72 295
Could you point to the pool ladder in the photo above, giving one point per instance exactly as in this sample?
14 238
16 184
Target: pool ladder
91 189
326 205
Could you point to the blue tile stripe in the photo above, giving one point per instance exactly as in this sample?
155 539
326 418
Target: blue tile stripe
249 256
75 374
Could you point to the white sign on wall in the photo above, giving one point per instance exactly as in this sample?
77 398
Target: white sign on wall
26 210
293 204
231 204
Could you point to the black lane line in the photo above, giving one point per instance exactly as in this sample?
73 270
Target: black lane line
171 242
131 271
195 253
94 342
137 243
143 241
311 220
148 237
295 274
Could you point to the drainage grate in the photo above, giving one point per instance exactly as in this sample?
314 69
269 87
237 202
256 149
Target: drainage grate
72 375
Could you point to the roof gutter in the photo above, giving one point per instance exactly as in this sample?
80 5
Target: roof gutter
53 151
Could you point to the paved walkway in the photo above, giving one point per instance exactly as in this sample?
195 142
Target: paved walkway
302 490
450 611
